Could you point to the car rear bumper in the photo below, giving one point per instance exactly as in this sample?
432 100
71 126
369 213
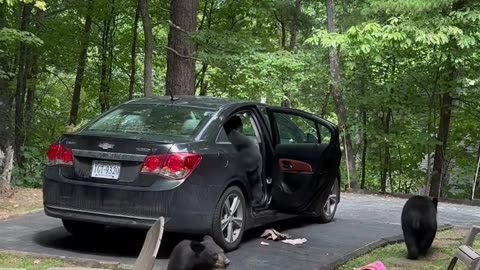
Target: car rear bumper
184 210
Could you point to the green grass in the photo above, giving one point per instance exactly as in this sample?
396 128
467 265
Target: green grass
27 262
394 256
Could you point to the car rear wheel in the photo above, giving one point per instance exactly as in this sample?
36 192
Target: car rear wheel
330 205
229 219
80 228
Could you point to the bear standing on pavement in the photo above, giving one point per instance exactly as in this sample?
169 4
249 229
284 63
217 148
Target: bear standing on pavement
194 255
419 225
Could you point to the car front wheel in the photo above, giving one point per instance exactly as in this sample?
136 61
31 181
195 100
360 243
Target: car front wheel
330 205
80 228
229 219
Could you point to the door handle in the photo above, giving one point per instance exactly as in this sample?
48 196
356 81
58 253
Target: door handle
287 165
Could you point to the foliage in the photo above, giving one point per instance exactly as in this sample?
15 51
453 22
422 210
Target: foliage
395 59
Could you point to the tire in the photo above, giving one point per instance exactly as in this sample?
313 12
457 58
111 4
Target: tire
330 205
83 229
230 237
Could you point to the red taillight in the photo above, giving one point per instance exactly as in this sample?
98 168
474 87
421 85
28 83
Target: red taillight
177 165
59 155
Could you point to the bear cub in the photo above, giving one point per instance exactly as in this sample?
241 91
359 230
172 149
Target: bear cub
194 255
419 225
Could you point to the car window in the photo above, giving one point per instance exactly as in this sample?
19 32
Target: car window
249 129
295 129
325 134
151 119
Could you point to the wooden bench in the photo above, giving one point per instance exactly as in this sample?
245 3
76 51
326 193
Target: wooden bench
466 254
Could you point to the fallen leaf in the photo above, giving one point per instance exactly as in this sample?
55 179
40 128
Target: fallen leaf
16 205
36 261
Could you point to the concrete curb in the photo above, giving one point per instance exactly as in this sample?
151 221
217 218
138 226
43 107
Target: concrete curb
382 242
475 202
73 260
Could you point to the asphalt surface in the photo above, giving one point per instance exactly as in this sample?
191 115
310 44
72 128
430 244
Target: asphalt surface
360 220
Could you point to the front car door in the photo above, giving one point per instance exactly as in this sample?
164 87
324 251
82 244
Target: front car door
306 160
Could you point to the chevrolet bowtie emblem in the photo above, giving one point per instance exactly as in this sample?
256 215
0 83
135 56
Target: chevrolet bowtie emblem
106 146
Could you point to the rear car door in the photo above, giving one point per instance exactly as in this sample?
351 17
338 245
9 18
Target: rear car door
306 159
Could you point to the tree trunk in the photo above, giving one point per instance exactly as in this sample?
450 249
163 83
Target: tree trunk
6 129
82 61
104 67
180 77
364 77
442 136
201 82
29 103
438 171
21 86
283 38
106 58
147 31
338 97
133 53
295 22
386 154
364 147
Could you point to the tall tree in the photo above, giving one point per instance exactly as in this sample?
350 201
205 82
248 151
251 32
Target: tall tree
336 93
439 168
22 73
106 56
133 53
6 129
295 23
147 30
446 102
82 61
180 77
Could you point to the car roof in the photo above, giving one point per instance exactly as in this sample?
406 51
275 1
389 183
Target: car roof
206 102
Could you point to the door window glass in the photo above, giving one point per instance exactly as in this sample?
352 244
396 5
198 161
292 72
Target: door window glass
295 129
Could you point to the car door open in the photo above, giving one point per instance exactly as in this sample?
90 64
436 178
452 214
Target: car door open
306 159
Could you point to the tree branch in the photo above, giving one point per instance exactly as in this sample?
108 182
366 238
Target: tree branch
181 55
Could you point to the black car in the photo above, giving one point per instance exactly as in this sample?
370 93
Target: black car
155 157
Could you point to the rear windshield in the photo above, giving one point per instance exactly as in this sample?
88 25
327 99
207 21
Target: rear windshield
153 119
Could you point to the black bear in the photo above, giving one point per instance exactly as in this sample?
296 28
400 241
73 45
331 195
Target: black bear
419 225
194 255
250 155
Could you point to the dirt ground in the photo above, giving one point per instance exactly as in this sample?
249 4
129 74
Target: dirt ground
20 201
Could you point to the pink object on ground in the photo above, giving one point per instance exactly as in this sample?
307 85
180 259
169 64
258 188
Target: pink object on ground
378 265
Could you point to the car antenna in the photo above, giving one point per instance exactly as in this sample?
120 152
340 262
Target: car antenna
172 98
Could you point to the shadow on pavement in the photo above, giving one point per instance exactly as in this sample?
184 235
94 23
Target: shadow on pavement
125 242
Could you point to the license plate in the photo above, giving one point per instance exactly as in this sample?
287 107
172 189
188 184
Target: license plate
102 169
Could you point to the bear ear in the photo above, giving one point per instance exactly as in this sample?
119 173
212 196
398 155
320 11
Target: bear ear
208 238
197 247
435 201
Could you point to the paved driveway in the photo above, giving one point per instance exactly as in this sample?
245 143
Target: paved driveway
361 219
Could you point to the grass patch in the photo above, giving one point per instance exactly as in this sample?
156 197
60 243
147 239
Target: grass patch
19 202
27 262
394 256
32 262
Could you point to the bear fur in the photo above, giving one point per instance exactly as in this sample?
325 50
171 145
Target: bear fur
194 255
419 225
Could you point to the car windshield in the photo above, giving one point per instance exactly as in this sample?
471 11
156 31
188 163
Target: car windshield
153 119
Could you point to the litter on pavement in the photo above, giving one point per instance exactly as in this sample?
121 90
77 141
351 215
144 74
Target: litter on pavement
272 234
264 243
295 242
